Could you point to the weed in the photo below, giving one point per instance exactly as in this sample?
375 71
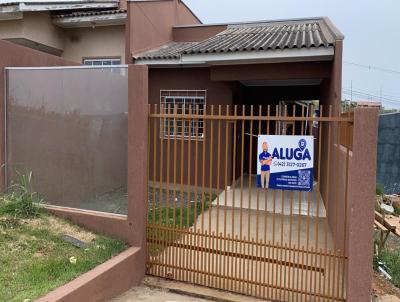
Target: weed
21 201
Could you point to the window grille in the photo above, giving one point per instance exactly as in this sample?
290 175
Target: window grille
190 102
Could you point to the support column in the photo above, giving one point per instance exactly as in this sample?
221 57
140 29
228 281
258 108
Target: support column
137 153
362 183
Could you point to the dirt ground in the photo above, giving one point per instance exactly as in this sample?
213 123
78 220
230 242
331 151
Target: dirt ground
383 288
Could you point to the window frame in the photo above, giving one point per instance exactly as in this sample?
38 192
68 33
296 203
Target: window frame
102 59
199 94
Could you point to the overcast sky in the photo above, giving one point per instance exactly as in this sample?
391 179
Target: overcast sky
371 29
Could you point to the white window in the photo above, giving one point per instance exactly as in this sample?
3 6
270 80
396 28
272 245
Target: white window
101 61
183 102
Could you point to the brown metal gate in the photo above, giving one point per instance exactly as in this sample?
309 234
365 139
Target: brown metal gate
208 224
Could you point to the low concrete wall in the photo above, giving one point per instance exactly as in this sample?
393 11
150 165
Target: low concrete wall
388 164
101 283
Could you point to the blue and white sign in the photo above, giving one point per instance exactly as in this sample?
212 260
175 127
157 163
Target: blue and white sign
285 162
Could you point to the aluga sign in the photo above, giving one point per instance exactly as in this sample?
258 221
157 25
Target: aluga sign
285 162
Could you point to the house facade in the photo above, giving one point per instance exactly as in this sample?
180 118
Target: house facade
198 97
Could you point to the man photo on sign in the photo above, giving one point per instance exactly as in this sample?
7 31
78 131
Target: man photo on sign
265 159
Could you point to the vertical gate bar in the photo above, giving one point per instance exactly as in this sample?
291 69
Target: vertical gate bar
189 170
167 190
293 259
263 271
303 280
174 170
335 219
257 190
250 188
327 200
269 271
237 263
210 189
253 289
274 191
211 168
258 207
218 165
298 275
283 196
278 270
168 164
154 232
246 262
213 260
328 178
338 260
229 265
188 192
319 180
207 264
203 174
299 219
147 195
161 192
266 215
320 274
345 209
225 258
196 159
234 172
241 176
181 198
221 258
226 168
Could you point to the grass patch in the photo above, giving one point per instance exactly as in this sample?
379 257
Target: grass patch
391 258
34 259
176 217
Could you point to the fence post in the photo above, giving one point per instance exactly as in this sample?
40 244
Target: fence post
137 156
2 128
362 182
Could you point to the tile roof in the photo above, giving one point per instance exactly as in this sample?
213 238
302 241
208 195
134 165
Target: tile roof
171 50
90 13
261 36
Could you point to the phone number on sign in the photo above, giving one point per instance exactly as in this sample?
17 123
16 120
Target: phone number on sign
289 164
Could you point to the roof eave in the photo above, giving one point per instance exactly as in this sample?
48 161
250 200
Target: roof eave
238 58
90 21
54 6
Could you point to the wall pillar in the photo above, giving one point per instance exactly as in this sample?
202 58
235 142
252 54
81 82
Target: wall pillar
137 157
362 182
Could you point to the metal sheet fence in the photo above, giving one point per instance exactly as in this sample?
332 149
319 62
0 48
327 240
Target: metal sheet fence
69 127
209 224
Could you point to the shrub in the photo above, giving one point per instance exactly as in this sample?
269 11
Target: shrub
21 201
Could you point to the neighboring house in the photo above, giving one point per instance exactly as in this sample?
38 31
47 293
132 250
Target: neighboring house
388 167
89 32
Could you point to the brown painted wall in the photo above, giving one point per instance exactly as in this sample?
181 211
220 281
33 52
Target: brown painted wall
15 55
217 93
272 71
148 28
196 33
362 184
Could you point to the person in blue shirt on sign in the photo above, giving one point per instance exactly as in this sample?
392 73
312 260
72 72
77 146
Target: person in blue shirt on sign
265 159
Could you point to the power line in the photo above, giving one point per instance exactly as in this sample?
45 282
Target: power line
372 92
368 95
373 67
